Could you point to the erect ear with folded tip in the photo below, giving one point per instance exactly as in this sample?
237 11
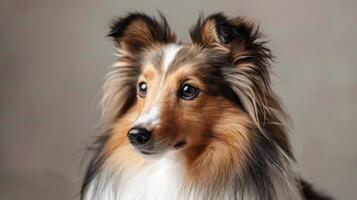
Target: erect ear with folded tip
235 34
137 31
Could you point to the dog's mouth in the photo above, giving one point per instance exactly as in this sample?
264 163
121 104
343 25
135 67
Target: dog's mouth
150 152
180 144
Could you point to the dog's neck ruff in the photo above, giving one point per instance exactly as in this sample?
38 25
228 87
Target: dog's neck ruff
163 179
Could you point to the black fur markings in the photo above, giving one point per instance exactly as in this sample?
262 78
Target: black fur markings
152 30
227 32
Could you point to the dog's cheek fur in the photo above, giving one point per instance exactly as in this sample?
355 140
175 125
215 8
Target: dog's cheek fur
226 141
196 119
238 153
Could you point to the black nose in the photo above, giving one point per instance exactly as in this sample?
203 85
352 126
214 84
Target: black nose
138 136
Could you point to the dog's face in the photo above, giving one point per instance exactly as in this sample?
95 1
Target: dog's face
173 96
178 100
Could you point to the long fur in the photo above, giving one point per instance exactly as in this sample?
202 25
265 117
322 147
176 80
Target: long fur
246 153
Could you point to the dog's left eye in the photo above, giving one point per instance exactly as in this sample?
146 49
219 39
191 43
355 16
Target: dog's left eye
188 92
142 87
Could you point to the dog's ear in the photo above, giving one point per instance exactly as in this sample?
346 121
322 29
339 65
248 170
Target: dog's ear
137 31
236 35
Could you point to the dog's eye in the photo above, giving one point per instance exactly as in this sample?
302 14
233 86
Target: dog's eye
188 92
142 89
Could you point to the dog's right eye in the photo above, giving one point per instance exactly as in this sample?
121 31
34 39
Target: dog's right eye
188 92
142 89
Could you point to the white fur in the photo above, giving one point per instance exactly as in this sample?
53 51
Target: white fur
170 52
160 180
149 119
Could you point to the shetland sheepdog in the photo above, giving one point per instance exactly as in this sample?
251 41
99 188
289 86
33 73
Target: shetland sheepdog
195 121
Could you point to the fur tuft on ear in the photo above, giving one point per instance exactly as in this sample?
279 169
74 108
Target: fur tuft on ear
238 35
137 31
215 29
219 28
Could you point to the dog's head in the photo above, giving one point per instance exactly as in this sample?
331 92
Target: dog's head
162 95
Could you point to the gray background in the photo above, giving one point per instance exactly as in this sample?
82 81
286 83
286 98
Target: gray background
54 54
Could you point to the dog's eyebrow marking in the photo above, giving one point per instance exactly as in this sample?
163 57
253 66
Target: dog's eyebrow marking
152 117
170 52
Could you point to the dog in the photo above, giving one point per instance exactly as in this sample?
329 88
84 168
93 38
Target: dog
194 121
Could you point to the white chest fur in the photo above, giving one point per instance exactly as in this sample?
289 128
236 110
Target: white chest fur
158 180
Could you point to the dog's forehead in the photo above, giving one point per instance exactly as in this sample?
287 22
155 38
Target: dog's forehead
168 58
